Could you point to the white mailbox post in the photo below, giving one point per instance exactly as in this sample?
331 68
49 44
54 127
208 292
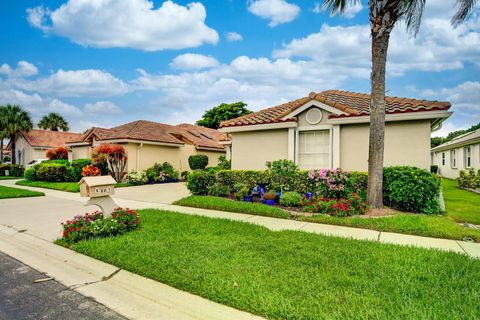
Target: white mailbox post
99 189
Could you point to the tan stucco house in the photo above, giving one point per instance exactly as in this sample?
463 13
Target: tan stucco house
34 144
461 153
148 142
330 129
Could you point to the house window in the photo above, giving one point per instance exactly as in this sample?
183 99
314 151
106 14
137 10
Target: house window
314 149
453 160
467 151
443 158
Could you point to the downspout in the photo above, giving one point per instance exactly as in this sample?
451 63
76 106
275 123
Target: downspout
137 166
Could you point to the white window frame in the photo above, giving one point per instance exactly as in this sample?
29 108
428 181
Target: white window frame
467 157
315 128
453 158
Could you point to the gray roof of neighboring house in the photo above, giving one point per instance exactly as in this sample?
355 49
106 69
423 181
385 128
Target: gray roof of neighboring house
463 140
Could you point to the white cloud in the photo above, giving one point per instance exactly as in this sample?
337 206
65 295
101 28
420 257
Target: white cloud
438 47
23 69
75 83
233 36
193 61
102 107
127 24
352 9
317 8
62 108
277 11
12 96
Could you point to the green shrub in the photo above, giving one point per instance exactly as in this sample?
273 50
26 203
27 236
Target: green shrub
58 161
14 170
136 177
218 190
223 163
357 183
344 207
53 172
283 173
411 189
469 179
184 175
291 199
198 161
199 182
30 174
434 169
77 166
162 172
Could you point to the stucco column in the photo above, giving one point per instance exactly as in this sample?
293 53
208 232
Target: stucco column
291 144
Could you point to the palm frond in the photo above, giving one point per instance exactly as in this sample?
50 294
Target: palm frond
413 11
464 7
339 6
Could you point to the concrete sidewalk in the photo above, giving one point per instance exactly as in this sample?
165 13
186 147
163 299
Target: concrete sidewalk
55 200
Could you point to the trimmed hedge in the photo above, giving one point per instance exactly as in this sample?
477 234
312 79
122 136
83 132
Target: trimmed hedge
52 172
14 170
469 179
77 166
198 162
405 188
199 182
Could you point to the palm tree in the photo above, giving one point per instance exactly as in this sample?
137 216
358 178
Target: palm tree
53 121
384 14
3 133
15 120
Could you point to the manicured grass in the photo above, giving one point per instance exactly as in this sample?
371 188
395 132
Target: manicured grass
416 224
61 186
9 178
223 204
294 275
461 205
9 192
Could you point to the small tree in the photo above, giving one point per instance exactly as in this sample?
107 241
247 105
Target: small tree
282 171
60 153
15 120
198 162
225 111
114 155
53 121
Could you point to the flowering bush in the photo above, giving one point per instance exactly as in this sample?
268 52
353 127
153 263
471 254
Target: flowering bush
57 153
329 183
95 225
90 170
114 155
342 207
137 177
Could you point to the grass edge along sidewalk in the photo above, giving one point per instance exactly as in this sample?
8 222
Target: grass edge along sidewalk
291 274
11 193
60 186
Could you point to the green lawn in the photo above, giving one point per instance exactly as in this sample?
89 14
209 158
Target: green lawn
223 204
9 192
294 275
61 186
9 178
461 205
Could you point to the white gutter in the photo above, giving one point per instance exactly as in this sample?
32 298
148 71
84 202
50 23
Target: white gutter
394 117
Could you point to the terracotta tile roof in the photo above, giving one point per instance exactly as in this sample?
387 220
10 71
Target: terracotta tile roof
49 139
158 132
350 103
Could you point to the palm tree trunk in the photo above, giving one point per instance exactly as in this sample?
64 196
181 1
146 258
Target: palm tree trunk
377 119
1 150
12 146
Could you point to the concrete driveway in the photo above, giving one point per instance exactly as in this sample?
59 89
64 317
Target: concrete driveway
161 193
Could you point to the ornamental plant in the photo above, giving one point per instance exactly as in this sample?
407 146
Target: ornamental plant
283 173
329 183
127 217
79 227
60 153
137 177
198 162
343 207
199 182
90 170
115 157
291 199
469 179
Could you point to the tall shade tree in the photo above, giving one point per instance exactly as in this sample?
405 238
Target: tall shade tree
14 121
53 121
384 14
225 111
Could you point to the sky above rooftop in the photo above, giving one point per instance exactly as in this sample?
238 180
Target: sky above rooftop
103 63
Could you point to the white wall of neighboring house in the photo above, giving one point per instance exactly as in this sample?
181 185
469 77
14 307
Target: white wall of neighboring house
25 153
452 160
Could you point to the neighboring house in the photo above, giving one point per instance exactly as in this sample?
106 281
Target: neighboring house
34 144
330 129
6 151
460 153
149 142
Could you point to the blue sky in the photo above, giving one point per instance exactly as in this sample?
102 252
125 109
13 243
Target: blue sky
103 63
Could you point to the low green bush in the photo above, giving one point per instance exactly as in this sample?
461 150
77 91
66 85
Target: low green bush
77 166
136 177
198 162
14 170
411 189
58 161
218 190
291 199
199 182
30 174
469 179
53 172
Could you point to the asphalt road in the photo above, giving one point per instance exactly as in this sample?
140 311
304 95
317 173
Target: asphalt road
21 298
